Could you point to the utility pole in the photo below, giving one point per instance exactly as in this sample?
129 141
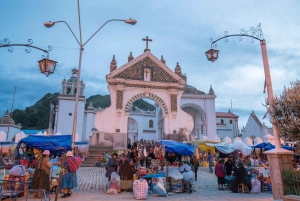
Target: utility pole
50 118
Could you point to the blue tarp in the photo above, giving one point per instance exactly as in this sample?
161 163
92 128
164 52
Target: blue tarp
178 147
269 146
6 143
56 144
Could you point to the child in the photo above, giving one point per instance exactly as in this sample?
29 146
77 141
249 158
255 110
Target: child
269 184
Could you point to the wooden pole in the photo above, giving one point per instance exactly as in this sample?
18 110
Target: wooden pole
62 165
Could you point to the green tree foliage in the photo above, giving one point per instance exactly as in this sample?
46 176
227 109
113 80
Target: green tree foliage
37 115
286 112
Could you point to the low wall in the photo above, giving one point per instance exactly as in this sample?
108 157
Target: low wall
291 198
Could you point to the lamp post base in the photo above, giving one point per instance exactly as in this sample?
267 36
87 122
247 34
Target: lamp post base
279 160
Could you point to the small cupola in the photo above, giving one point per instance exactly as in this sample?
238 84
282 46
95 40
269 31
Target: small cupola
130 57
162 59
178 70
113 64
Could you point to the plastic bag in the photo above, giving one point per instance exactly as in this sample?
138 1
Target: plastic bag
17 170
185 168
188 175
174 173
159 189
140 189
256 186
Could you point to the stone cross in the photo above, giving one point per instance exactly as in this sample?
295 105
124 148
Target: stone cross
147 39
147 71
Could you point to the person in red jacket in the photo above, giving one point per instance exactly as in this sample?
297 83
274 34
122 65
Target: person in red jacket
220 173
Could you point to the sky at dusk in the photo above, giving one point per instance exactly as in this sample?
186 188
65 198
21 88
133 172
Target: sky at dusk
180 31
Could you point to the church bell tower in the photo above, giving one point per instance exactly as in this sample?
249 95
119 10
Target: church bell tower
66 106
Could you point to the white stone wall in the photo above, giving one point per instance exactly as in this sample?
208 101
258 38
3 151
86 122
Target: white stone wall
12 131
207 103
65 121
253 129
227 129
88 125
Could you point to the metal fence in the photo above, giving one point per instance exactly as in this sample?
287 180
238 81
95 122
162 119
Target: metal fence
291 182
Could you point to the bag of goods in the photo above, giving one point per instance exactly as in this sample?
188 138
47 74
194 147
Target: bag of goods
73 163
113 186
174 173
188 175
255 186
159 189
17 170
140 189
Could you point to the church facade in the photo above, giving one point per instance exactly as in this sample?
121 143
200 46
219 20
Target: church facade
182 111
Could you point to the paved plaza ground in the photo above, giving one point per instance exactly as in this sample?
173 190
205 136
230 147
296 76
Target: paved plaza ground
91 185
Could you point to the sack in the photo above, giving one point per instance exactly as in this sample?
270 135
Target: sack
73 163
17 170
256 186
140 189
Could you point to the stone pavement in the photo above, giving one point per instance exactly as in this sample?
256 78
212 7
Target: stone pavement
91 185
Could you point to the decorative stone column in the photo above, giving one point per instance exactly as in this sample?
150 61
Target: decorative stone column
279 160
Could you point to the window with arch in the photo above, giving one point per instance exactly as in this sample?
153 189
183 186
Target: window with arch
151 124
222 121
230 121
68 91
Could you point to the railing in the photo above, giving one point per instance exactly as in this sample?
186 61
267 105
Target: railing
15 188
291 181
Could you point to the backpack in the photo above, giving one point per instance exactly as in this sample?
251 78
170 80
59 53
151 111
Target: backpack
73 163
17 170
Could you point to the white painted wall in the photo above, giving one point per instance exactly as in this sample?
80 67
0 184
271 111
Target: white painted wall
65 122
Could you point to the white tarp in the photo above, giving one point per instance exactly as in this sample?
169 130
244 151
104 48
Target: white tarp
229 148
20 135
2 136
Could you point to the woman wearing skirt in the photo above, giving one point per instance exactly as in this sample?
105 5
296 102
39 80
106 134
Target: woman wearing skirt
68 180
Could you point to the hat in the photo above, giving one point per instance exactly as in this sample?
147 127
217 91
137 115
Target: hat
69 153
46 152
240 164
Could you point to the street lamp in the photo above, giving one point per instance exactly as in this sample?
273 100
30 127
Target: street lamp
81 45
46 65
278 157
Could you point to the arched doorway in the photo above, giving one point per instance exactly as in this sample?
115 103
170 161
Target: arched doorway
132 129
199 118
143 111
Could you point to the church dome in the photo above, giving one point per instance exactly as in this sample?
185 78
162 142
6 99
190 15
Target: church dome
7 119
188 89
72 79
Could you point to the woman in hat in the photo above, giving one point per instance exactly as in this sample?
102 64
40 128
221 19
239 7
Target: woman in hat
241 176
41 174
68 180
126 175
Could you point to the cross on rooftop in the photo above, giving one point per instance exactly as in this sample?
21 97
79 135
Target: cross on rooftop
147 39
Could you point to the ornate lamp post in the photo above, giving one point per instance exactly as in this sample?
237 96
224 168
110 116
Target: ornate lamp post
279 158
81 46
46 65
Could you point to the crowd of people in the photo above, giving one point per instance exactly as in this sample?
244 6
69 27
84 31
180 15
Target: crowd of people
39 163
234 174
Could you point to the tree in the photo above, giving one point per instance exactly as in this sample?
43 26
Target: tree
286 112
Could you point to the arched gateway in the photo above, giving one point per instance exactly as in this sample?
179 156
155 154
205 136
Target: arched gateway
143 77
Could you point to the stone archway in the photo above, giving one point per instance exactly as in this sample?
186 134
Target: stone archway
199 118
153 97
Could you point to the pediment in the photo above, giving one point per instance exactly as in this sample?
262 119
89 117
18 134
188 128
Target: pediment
143 66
